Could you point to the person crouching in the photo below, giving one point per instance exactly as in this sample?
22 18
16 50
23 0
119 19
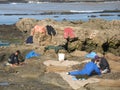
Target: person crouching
13 59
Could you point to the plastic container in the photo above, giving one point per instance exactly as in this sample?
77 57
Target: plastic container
61 56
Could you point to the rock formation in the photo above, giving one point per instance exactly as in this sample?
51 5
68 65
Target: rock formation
95 34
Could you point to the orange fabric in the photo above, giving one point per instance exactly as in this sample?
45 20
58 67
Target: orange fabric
37 28
69 33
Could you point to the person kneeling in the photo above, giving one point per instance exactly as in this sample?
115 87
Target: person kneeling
13 59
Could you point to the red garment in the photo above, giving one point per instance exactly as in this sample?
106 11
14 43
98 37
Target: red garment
69 33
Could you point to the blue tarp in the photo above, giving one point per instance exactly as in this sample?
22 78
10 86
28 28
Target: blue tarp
31 54
91 55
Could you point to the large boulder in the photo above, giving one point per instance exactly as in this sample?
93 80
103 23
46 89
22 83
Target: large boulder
26 24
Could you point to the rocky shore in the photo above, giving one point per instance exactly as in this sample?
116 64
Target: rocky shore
98 35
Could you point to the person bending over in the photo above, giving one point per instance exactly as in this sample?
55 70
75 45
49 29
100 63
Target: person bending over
14 58
102 64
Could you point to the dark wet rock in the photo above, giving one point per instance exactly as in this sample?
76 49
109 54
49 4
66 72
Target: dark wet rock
106 15
92 16
9 33
93 87
55 79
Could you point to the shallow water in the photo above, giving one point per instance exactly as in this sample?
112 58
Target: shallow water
4 83
11 13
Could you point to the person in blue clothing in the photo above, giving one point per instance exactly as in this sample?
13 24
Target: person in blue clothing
87 71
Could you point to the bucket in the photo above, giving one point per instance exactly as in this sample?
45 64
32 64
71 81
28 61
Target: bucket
61 56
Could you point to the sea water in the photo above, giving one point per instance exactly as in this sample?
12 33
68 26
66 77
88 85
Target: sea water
12 12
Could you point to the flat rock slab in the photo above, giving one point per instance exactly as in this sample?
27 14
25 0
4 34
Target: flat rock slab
61 66
60 63
76 84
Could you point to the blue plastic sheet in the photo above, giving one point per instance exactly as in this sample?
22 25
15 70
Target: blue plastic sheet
91 55
32 54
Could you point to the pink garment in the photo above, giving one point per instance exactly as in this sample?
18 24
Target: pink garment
38 28
69 33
